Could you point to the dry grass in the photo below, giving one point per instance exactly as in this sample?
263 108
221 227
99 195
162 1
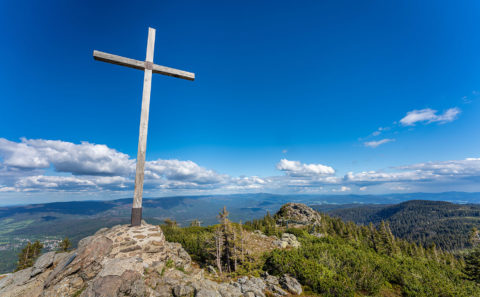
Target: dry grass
256 244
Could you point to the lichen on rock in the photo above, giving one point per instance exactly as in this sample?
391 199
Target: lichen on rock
294 214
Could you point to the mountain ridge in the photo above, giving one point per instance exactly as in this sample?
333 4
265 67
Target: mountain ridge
422 221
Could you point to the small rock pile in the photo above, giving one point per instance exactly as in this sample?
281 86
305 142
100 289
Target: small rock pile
131 261
256 286
287 240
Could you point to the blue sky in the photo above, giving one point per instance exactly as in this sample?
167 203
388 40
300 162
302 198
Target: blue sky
307 82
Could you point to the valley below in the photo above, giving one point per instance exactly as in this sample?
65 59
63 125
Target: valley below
49 223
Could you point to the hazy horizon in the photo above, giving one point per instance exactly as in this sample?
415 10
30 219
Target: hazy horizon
407 197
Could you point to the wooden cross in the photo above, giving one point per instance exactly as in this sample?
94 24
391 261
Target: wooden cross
149 68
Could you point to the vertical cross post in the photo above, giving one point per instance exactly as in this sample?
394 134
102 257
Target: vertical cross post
149 68
136 219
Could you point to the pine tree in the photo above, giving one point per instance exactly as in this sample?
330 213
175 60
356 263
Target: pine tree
472 264
432 251
374 243
475 237
472 260
28 255
383 239
171 223
227 243
65 245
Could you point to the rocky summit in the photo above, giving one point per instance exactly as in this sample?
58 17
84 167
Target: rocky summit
132 261
297 214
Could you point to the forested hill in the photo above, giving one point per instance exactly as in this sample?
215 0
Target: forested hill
446 224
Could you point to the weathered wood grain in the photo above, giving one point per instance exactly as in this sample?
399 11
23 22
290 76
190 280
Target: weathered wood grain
118 60
173 72
142 137
132 63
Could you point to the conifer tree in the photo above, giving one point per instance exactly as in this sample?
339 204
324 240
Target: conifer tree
472 260
432 251
65 245
472 264
29 254
226 241
171 223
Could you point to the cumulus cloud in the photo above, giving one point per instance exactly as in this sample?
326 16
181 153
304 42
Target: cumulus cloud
298 169
182 171
97 167
78 159
376 143
21 155
428 116
48 166
247 183
429 175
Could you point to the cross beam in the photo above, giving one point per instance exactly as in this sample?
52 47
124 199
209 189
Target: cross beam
148 67
142 65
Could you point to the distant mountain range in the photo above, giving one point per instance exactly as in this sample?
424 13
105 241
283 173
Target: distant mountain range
51 222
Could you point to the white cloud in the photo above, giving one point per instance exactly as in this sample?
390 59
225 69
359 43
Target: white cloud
182 171
98 169
429 175
63 183
247 183
374 144
428 116
467 167
7 189
342 189
380 130
21 155
78 159
374 177
297 169
399 188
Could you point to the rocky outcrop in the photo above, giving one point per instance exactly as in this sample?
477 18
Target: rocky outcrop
294 214
45 261
291 284
131 261
287 240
